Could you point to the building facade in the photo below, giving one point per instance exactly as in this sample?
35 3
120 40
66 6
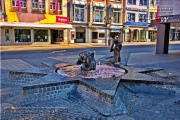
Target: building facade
34 21
152 25
95 21
135 20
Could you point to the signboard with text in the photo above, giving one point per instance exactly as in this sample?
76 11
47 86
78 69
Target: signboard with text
137 23
61 19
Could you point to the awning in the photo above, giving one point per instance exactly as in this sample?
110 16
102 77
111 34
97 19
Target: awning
115 30
35 25
79 2
116 6
98 4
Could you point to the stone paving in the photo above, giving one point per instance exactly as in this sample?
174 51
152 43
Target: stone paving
144 93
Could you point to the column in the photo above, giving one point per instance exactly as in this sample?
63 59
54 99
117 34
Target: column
32 36
49 36
162 42
65 36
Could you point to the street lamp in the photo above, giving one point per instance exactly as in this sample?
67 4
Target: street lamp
108 24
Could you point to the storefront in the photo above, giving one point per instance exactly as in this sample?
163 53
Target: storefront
19 33
136 31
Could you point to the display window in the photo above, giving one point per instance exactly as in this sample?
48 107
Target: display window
40 35
7 37
22 35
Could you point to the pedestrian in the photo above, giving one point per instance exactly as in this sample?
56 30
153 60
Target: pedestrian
116 48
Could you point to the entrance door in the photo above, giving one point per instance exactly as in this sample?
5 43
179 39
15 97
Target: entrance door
56 36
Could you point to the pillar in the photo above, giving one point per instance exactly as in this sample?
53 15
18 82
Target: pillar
66 36
162 43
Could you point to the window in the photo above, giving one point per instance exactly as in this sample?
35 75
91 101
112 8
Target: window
131 17
131 2
53 7
79 13
151 15
15 3
152 2
116 16
0 5
94 35
143 2
101 35
22 35
98 14
116 0
142 17
40 35
79 35
38 6
7 35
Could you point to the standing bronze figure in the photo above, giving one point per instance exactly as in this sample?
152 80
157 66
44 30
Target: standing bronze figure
116 48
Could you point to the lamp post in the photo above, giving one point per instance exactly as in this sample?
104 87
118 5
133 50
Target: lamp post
108 24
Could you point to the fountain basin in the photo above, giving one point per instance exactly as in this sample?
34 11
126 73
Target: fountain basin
102 71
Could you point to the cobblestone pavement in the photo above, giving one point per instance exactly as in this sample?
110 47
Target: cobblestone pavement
147 92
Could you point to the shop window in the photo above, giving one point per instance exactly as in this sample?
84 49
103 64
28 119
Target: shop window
94 35
22 35
79 35
142 17
53 6
40 35
116 16
131 17
98 14
14 5
38 6
143 2
7 35
79 13
101 35
131 2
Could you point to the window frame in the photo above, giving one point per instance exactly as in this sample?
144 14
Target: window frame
142 19
101 17
119 13
52 7
79 18
131 2
38 8
143 2
131 17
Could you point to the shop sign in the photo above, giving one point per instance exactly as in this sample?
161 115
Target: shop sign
165 10
137 23
136 9
170 19
62 19
116 27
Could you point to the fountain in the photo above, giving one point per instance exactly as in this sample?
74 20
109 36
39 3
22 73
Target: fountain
86 67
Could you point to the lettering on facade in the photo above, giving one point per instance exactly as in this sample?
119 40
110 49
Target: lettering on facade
136 9
165 11
62 19
169 19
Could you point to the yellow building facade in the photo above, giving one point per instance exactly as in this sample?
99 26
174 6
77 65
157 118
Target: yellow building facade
34 21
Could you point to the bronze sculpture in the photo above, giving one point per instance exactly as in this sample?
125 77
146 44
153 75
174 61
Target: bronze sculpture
116 48
87 61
